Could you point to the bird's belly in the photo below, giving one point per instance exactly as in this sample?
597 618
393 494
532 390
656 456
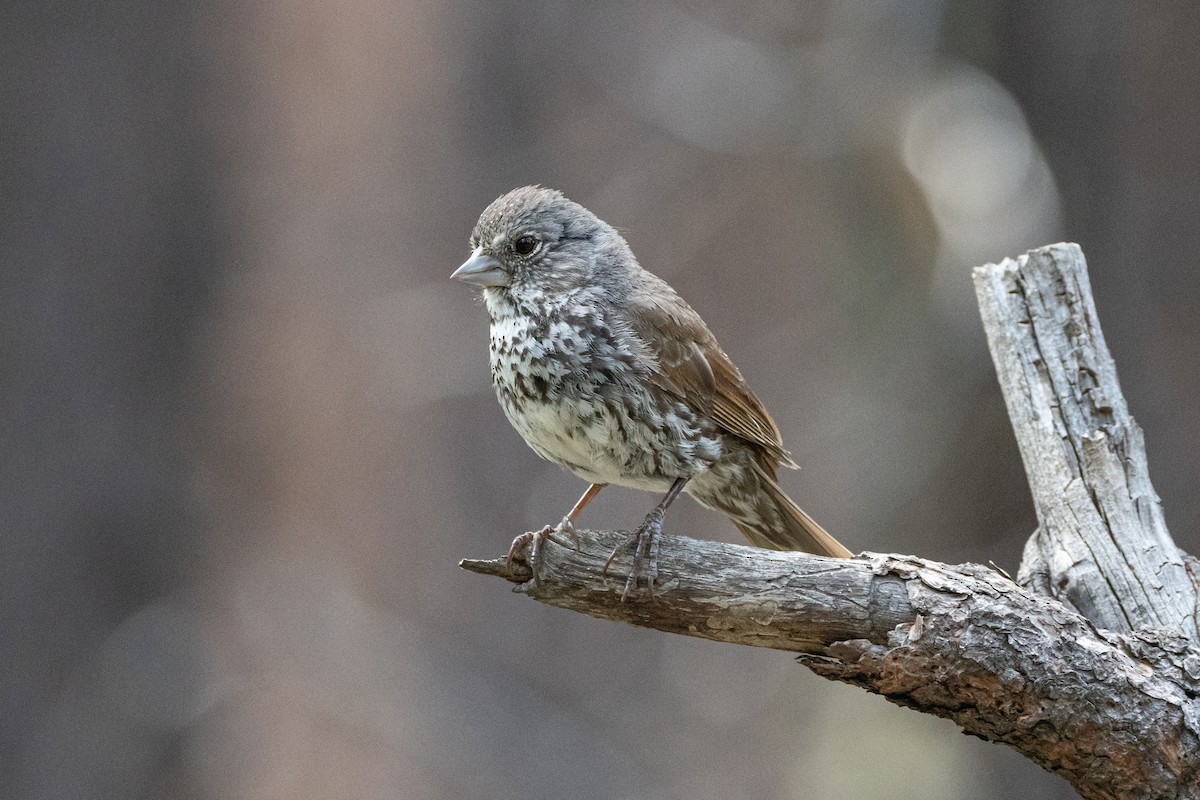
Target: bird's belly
591 411
591 441
631 442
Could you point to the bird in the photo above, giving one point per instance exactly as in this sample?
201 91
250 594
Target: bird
603 369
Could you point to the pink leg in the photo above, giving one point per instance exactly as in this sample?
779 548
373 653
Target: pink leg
567 525
534 539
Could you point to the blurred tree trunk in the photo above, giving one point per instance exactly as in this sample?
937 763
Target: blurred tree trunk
110 248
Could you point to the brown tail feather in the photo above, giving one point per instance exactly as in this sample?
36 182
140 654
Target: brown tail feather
798 531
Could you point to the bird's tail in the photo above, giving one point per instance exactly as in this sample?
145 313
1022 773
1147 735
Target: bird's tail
769 518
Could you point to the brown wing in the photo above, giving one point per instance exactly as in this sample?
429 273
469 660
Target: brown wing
693 367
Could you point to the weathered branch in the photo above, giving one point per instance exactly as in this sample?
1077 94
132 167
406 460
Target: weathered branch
1102 709
729 593
1101 545
1109 698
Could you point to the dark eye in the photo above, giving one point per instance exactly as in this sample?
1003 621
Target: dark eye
525 244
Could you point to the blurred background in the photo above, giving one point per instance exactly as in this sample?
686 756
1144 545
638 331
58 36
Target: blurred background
248 430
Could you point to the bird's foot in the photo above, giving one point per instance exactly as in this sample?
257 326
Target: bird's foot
644 542
533 541
530 541
567 527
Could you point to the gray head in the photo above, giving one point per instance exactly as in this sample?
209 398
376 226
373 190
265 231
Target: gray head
534 239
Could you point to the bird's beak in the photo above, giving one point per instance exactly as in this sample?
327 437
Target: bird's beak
481 270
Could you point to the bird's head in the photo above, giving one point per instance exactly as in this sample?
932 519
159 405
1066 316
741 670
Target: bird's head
535 240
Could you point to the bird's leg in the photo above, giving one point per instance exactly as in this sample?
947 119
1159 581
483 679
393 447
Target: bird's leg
534 539
567 525
645 542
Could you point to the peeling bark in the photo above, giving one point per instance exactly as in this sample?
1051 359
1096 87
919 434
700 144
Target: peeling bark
1101 545
1116 715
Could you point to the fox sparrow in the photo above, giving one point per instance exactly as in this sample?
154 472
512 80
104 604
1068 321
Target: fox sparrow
603 369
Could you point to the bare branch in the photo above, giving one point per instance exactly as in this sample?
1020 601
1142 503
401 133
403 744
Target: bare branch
1115 715
1102 545
730 593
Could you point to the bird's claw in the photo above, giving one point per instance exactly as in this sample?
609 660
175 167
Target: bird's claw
645 542
568 527
533 541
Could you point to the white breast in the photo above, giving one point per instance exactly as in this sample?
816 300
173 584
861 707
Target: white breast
552 387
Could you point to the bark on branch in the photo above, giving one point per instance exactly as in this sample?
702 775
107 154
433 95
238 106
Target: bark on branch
1114 714
1102 545
1090 668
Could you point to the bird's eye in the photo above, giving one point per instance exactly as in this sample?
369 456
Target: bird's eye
525 244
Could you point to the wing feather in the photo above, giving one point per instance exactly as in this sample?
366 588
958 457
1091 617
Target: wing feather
692 366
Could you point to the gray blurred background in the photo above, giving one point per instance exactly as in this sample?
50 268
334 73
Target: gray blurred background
248 429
